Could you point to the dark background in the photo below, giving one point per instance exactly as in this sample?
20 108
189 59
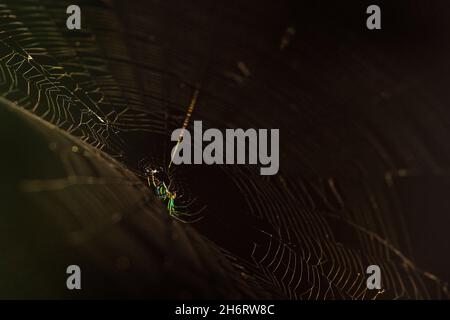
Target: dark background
364 123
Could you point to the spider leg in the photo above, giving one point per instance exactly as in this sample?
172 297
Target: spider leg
191 214
176 216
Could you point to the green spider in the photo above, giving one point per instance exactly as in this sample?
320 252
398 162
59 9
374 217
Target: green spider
168 197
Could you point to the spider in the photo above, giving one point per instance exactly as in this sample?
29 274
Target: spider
157 179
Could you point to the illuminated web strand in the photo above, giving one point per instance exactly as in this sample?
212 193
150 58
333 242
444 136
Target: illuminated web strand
185 123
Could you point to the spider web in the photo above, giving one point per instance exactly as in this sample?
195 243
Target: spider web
307 234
